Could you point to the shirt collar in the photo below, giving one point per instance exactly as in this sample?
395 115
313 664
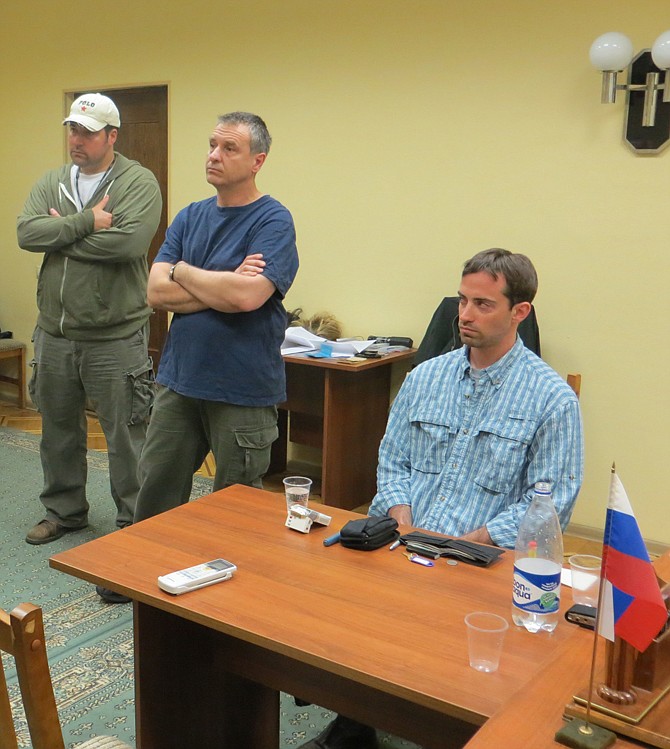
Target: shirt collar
497 372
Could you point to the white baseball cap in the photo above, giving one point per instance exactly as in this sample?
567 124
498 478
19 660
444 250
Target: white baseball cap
94 111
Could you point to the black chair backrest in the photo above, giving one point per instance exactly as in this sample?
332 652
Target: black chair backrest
442 333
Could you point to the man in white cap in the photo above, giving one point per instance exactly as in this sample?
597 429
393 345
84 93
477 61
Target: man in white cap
93 220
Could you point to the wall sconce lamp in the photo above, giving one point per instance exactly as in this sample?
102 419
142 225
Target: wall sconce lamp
647 118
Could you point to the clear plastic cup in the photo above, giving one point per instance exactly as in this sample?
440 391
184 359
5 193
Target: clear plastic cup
585 571
297 490
486 633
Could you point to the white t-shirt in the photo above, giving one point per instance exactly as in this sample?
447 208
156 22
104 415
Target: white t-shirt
84 185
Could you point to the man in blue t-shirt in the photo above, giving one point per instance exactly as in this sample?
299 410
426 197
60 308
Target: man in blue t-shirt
223 270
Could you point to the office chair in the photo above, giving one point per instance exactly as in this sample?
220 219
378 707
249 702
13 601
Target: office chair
442 334
22 636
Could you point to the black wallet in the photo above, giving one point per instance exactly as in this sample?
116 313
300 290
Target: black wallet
433 547
369 533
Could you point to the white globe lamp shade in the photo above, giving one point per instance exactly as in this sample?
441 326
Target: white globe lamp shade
611 52
660 52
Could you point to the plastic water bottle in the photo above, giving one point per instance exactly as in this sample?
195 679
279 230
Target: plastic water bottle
537 565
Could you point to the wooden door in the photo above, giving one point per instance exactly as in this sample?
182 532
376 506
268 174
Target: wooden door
143 137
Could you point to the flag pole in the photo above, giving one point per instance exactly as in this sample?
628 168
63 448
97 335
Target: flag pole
581 733
586 729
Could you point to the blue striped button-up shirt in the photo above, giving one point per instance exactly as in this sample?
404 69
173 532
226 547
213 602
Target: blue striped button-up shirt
465 453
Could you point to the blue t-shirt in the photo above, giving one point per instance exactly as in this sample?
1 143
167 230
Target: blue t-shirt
230 357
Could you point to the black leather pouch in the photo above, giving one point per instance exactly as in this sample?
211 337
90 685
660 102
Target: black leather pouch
369 533
427 545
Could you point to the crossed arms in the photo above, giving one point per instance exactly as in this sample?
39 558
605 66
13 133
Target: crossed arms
94 234
194 289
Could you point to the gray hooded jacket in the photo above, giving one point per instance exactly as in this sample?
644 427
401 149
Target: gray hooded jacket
92 284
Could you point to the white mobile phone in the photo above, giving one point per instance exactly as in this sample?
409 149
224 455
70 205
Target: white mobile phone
196 577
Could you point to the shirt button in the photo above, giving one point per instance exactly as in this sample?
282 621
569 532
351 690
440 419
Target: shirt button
465 431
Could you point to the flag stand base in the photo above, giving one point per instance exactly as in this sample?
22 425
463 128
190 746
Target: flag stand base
653 729
581 735
633 714
646 678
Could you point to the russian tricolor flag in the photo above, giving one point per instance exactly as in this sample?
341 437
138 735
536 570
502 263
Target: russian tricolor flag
632 607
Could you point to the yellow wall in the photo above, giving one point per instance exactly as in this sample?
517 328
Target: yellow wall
408 135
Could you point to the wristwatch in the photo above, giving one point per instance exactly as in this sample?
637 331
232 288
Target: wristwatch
171 272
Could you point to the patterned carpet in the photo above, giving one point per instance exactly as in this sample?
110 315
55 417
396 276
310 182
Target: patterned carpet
90 643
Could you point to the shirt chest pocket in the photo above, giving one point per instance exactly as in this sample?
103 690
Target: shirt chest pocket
430 445
503 451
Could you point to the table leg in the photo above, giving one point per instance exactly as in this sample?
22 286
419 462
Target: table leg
355 415
278 455
185 696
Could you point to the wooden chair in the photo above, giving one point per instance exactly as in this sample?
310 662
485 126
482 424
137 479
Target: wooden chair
575 382
22 636
11 349
662 568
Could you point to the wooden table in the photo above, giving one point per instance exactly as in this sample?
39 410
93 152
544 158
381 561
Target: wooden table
530 718
367 634
342 409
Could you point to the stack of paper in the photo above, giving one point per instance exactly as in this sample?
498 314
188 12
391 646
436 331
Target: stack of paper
349 347
298 340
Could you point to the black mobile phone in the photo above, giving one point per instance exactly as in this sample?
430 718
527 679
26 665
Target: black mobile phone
583 615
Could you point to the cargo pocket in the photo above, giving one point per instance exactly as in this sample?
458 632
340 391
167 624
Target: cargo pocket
36 340
430 445
32 384
253 454
141 391
503 447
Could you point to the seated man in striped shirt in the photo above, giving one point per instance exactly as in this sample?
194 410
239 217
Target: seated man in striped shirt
472 431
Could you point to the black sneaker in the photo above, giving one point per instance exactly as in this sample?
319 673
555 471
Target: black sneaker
344 733
111 596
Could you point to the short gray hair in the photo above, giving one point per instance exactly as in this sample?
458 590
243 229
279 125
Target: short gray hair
259 137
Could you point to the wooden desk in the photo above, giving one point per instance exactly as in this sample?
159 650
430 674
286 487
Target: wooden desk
342 409
364 633
530 718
